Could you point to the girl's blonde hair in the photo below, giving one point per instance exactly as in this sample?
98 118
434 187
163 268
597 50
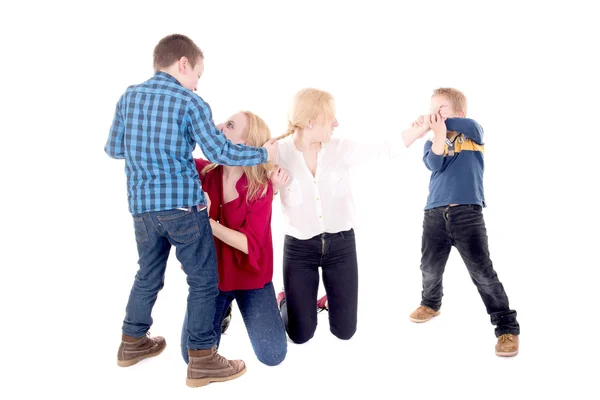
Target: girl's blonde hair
258 135
309 104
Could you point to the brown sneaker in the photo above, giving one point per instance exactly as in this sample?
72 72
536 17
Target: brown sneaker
508 345
133 350
423 314
206 366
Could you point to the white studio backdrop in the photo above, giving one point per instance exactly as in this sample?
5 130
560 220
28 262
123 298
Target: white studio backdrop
529 71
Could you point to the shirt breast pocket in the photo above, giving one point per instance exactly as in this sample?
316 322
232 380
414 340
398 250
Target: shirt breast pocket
291 195
339 184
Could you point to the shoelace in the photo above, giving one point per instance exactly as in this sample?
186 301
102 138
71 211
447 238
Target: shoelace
219 358
505 337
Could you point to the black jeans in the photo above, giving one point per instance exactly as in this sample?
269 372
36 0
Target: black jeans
335 253
463 227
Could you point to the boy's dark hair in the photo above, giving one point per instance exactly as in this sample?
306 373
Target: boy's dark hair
171 48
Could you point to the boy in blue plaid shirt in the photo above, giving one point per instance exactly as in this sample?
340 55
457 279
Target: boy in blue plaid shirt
156 127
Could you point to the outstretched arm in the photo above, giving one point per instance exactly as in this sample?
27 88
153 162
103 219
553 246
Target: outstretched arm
417 130
215 146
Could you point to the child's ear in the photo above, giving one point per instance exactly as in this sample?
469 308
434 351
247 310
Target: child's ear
183 64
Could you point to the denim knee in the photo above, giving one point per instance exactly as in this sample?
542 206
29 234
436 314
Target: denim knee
272 357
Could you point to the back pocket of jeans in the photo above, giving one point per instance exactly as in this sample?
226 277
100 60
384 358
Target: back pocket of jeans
141 233
182 227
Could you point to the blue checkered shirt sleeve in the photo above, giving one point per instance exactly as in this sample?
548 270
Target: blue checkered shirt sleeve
115 145
213 143
155 128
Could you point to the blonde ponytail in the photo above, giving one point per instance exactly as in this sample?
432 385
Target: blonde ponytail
309 104
291 129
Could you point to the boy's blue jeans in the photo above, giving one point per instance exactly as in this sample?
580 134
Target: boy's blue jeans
464 228
261 317
189 231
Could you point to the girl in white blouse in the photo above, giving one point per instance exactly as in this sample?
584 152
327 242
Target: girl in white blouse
318 208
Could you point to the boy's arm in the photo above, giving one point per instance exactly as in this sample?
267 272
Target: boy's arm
468 127
114 146
438 126
215 146
432 161
433 156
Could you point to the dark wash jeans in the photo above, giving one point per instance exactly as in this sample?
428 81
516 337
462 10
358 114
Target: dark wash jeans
463 227
335 253
190 233
261 317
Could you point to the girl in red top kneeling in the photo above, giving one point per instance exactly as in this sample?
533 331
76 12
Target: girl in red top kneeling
240 202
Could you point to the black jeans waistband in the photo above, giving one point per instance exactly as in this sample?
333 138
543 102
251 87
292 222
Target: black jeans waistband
327 235
458 207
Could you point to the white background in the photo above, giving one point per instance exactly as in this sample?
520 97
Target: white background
530 73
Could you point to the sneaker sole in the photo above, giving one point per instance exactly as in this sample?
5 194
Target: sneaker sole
511 354
205 381
420 321
133 361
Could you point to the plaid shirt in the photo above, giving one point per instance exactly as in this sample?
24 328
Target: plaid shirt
155 129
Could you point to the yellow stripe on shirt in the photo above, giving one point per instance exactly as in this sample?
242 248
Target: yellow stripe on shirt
466 145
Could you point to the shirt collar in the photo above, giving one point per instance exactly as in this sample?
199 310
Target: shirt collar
163 76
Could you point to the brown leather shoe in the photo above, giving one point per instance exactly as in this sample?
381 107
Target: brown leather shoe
508 345
206 366
423 314
132 350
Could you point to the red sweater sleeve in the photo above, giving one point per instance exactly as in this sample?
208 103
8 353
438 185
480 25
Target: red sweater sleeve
200 164
255 227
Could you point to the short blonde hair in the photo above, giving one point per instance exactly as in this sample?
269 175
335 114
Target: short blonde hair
309 104
456 97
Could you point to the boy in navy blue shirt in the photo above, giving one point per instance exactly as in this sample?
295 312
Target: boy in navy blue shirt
453 214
